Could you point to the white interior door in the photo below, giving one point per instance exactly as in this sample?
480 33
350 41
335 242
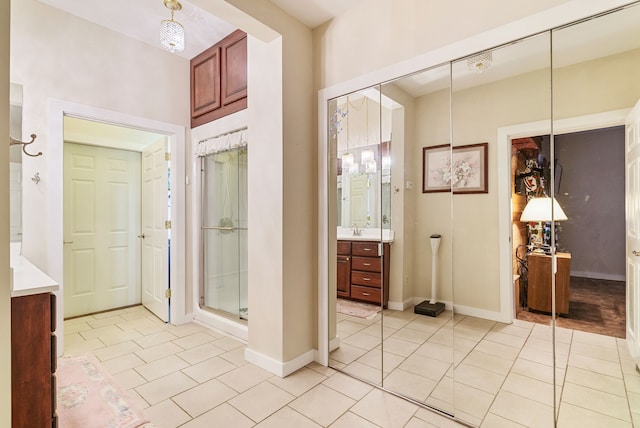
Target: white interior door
359 209
155 238
632 202
101 220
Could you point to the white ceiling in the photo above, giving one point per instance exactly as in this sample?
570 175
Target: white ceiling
140 19
315 12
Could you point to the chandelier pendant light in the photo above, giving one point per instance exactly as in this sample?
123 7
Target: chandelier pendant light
481 62
172 32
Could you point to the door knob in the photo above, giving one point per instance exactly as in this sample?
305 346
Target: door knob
141 236
636 253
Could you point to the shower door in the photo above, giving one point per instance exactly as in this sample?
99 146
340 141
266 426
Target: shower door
224 229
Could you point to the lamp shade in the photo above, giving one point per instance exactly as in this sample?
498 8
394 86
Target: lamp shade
540 209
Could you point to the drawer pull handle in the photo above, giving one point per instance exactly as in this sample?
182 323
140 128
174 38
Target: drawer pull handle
366 264
366 279
367 249
636 253
366 294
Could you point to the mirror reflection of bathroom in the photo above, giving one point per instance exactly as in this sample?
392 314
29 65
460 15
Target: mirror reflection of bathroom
15 166
361 134
364 163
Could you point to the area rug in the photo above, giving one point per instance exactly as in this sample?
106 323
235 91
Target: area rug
89 397
357 309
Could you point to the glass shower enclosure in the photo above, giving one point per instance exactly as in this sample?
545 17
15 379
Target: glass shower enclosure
224 232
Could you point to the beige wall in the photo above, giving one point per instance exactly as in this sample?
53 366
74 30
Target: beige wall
598 86
397 30
5 299
57 55
283 300
90 65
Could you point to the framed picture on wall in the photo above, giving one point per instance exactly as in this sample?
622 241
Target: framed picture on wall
470 168
436 166
463 169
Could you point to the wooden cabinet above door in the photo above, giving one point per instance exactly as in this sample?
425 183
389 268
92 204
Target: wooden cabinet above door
219 80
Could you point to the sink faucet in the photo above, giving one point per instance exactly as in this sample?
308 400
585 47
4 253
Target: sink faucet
356 230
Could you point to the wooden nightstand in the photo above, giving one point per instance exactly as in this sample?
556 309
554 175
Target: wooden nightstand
539 288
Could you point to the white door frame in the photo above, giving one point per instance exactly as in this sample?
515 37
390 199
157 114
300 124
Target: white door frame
505 135
55 143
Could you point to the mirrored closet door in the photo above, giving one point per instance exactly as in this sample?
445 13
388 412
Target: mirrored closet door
507 218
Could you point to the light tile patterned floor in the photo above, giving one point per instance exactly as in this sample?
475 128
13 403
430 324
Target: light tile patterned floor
192 376
503 373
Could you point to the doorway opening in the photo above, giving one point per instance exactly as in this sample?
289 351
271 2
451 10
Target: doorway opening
588 185
116 218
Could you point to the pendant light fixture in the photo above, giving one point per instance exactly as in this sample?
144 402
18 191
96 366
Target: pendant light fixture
172 32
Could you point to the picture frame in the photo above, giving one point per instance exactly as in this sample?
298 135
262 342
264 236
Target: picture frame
434 162
463 170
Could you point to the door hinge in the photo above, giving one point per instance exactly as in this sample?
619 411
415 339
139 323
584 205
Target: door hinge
167 224
167 156
167 293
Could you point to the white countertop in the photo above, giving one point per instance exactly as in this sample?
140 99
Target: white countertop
366 234
26 279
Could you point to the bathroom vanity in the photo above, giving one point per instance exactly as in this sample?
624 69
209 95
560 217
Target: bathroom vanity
362 272
33 345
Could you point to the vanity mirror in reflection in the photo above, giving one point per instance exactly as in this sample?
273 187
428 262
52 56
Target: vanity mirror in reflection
364 161
15 164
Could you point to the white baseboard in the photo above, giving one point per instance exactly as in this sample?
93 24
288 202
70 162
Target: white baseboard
463 310
276 367
400 306
235 329
599 275
480 313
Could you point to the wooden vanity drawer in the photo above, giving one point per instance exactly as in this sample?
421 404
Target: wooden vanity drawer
366 293
344 248
370 264
370 279
368 249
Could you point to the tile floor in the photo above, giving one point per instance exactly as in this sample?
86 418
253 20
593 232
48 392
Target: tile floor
503 373
192 376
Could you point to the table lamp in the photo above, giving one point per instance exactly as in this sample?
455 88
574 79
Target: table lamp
542 209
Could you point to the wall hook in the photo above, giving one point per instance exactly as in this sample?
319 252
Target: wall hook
13 142
36 178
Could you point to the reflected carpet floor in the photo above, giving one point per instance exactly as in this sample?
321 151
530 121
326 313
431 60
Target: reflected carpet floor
595 305
87 396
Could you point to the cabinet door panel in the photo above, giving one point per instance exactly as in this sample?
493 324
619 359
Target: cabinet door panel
234 68
343 276
205 82
344 248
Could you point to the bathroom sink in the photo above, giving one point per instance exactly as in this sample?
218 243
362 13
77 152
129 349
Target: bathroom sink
366 234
